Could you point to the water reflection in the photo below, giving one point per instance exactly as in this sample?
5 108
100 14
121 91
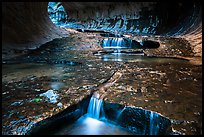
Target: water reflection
172 88
137 56
56 85
89 126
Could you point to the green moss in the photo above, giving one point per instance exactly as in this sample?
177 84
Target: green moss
37 99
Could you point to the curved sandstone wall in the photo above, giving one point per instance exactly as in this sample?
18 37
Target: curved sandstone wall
27 25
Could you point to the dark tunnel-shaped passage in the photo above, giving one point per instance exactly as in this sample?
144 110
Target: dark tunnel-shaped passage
156 18
158 44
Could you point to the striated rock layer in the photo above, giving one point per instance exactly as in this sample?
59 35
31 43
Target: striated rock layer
27 25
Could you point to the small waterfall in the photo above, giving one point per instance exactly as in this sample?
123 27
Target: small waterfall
106 42
127 43
95 108
113 43
119 42
153 125
119 114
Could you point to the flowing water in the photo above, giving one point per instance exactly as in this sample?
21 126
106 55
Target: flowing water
93 123
118 55
115 43
170 86
86 125
153 125
95 108
120 112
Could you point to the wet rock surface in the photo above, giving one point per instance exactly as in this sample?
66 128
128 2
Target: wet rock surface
137 120
172 88
131 120
111 35
68 115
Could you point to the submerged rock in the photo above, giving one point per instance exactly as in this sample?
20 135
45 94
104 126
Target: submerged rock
138 120
59 104
149 44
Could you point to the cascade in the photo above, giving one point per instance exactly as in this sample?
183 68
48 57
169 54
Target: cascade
119 114
95 108
113 43
153 126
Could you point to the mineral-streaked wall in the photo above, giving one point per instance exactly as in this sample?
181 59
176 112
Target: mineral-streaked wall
177 19
27 25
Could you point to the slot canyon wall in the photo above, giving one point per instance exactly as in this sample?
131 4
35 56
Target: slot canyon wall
71 63
27 25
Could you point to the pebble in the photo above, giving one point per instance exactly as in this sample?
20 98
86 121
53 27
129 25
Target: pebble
168 101
37 89
59 104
